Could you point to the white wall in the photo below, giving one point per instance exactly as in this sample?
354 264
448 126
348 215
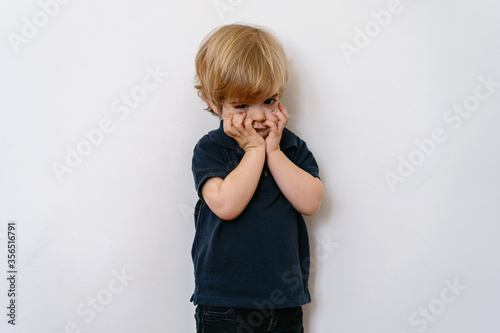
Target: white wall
418 255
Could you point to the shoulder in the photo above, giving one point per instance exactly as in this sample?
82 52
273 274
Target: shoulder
211 136
203 146
290 140
297 151
217 138
203 141
207 141
216 150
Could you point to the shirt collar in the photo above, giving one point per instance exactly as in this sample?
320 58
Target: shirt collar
219 137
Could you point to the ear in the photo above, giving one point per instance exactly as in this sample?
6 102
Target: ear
214 109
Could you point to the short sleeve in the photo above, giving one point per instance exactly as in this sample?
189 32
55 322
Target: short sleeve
306 160
303 158
208 161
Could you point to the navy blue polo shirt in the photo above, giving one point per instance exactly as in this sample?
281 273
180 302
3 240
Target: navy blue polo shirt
261 258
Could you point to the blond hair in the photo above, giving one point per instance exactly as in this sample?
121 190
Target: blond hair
243 61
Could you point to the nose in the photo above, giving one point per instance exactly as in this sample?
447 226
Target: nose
259 115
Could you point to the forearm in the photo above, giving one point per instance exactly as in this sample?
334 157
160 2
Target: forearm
304 191
229 197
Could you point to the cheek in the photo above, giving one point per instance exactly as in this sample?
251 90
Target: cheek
227 111
224 112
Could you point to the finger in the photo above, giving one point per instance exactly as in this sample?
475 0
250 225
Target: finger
284 111
283 118
272 125
248 123
282 121
279 115
227 123
238 120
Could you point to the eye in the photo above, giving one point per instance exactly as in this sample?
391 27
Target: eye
242 106
269 101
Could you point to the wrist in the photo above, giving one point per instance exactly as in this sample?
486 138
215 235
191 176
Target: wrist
256 149
273 152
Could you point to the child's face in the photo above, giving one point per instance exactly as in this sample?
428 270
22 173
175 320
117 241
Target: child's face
259 110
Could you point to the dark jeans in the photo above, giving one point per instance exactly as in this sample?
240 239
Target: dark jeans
214 319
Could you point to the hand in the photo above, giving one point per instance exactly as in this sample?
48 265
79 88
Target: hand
274 137
239 127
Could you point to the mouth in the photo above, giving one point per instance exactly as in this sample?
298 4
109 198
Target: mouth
263 131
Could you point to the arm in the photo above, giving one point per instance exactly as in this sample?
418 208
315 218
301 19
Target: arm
304 191
229 197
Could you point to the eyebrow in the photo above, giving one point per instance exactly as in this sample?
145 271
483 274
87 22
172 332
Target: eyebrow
239 102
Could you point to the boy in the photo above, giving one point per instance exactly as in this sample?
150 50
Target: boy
255 179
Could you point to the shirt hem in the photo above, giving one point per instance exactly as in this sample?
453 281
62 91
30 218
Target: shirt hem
253 303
